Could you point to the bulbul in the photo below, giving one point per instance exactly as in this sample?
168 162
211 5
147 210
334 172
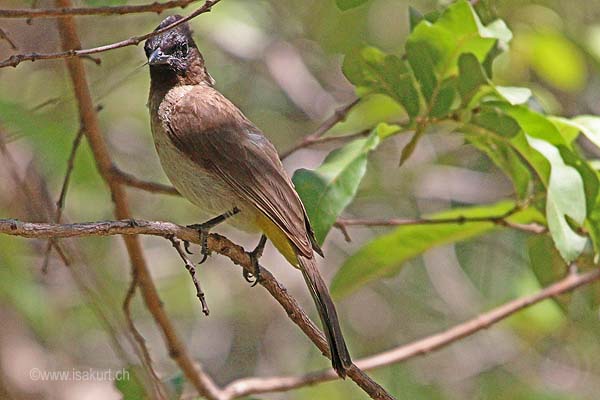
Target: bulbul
221 162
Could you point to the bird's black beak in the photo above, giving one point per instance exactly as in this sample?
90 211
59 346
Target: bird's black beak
158 58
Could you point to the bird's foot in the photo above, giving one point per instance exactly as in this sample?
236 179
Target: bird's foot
204 229
255 255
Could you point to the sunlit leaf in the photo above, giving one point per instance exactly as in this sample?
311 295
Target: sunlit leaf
589 125
327 190
514 95
565 198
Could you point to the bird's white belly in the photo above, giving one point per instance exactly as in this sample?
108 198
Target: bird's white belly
212 196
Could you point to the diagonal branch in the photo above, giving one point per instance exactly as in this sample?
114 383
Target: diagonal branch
338 116
76 51
131 180
90 125
572 281
154 7
216 243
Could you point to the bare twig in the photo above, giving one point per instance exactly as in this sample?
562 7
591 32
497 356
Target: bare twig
192 270
4 36
338 116
216 243
139 338
222 245
343 223
153 187
154 7
248 386
27 187
60 203
501 220
72 52
70 40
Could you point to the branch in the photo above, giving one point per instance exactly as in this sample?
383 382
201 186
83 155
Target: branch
343 223
216 243
76 11
90 125
248 386
501 220
153 187
338 116
4 36
16 59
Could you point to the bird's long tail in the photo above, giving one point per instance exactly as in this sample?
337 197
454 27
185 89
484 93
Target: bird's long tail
340 357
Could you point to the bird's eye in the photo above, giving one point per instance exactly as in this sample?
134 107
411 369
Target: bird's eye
181 49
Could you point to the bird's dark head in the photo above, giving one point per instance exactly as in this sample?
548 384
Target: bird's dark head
173 55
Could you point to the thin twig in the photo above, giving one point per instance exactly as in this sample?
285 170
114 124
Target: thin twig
89 119
148 186
338 116
4 36
16 59
139 338
250 386
60 203
154 7
190 267
216 243
501 220
45 207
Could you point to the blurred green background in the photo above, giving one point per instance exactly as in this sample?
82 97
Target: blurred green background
280 62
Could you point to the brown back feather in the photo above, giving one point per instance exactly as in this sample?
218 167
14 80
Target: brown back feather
215 134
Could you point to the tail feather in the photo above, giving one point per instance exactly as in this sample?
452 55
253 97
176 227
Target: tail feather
340 357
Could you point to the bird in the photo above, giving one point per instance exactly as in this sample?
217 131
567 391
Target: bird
223 164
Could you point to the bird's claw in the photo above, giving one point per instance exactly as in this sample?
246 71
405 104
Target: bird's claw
254 276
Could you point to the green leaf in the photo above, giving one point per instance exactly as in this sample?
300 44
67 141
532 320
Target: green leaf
590 177
434 49
534 124
445 99
589 125
386 254
414 17
327 190
505 157
471 76
545 260
373 71
348 4
130 386
440 44
495 120
565 198
368 113
568 129
514 95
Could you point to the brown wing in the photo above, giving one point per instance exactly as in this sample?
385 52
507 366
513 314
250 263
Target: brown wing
214 133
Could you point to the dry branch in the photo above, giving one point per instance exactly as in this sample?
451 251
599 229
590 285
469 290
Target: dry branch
338 116
90 125
239 256
76 51
216 243
248 386
155 7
